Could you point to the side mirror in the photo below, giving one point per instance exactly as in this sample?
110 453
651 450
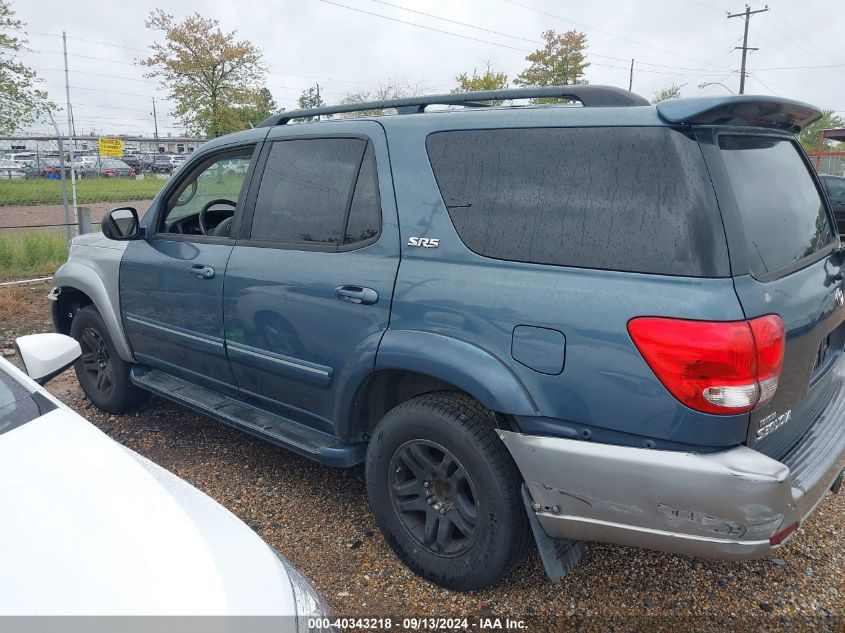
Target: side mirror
45 356
122 224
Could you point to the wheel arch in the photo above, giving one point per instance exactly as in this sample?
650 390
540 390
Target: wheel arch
79 283
410 363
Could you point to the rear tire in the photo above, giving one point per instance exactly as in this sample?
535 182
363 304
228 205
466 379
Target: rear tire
445 491
102 373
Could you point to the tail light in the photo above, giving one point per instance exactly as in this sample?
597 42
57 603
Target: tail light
722 367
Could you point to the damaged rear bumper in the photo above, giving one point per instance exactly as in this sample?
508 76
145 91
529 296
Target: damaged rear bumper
724 505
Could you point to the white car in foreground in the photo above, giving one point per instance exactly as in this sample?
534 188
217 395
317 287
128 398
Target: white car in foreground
88 527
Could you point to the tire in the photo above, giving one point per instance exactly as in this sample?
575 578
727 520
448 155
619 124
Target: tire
445 492
103 374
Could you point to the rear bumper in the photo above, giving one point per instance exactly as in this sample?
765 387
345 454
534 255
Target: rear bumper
722 505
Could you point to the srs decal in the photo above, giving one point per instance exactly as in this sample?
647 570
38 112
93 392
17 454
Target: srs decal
425 242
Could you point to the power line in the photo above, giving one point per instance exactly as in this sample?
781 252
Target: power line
524 50
603 32
114 92
525 39
450 21
811 44
84 72
763 83
427 28
802 67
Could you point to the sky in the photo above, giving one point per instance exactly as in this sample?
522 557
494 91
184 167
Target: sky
353 45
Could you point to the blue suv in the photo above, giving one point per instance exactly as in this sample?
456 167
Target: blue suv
545 323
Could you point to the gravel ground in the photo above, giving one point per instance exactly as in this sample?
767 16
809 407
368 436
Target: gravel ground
319 518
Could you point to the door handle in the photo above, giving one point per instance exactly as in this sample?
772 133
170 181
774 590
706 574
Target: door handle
201 272
356 294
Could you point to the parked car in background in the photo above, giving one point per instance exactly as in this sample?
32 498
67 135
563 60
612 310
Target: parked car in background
90 527
835 186
10 169
47 168
135 161
620 322
107 168
162 164
167 163
23 158
85 162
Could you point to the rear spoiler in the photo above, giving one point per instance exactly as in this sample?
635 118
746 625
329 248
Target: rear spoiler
747 110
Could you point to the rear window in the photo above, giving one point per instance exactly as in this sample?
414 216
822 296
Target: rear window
630 199
782 213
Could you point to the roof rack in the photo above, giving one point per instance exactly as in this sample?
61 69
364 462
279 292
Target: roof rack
589 96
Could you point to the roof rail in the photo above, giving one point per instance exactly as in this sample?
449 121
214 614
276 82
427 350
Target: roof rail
589 96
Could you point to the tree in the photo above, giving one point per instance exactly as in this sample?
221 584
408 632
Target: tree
391 89
561 62
490 80
207 73
21 101
809 136
310 98
671 91
264 106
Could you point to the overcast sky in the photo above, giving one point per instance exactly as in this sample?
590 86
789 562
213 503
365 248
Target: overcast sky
687 42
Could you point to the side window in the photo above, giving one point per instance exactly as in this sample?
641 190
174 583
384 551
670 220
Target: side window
365 213
309 187
585 197
205 200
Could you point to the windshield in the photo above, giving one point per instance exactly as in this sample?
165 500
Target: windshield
16 404
782 212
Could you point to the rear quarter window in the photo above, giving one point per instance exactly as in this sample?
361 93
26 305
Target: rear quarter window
628 199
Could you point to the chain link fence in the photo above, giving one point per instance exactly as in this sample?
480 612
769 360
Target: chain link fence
53 188
829 163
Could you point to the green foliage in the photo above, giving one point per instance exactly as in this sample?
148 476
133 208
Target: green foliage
671 91
809 136
21 102
32 253
208 74
44 191
561 62
310 98
490 80
252 115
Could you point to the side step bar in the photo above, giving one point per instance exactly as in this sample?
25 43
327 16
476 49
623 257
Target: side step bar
273 428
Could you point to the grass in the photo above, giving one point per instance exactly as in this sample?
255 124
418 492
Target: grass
44 191
31 254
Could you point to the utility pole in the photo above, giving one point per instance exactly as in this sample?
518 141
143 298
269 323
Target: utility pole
155 121
319 103
745 48
70 130
631 76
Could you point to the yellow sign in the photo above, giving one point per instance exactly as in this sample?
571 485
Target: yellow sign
111 147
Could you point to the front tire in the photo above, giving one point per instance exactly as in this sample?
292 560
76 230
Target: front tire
445 492
102 373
